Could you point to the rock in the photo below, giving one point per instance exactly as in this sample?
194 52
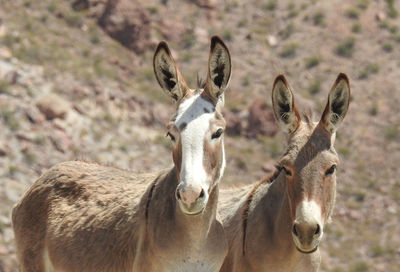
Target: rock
234 122
80 5
25 136
3 251
268 167
3 30
353 214
12 77
209 4
13 190
34 115
201 35
261 120
80 92
272 40
8 234
4 149
128 23
380 16
53 106
155 114
61 141
5 53
79 109
392 209
4 220
171 29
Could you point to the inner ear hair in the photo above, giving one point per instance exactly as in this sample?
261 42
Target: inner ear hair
164 68
283 104
338 103
167 74
219 69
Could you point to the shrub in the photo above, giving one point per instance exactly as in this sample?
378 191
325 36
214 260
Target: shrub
352 13
363 4
293 12
227 35
288 31
391 9
372 68
314 87
312 61
387 47
4 86
346 47
391 133
319 18
271 5
289 50
359 267
356 28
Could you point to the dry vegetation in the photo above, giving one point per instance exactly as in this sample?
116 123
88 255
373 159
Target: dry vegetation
110 109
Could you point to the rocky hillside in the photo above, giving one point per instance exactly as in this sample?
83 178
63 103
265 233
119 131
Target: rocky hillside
76 81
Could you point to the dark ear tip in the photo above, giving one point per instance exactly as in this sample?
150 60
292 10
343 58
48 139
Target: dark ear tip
343 76
282 78
217 40
162 46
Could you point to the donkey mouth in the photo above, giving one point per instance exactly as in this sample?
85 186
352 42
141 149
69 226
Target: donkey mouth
191 211
307 252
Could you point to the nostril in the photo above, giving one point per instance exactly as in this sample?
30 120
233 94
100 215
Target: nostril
295 230
202 193
317 230
177 194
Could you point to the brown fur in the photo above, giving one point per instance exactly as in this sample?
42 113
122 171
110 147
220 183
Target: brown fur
86 217
97 221
263 213
246 208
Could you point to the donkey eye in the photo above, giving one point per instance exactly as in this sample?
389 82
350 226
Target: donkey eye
217 134
287 172
171 136
331 170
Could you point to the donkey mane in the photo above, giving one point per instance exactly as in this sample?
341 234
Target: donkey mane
246 208
149 197
201 82
106 164
307 116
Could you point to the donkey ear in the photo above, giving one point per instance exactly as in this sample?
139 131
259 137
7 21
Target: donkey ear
338 104
167 74
219 68
283 105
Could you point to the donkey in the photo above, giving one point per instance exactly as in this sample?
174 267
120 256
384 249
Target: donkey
277 223
82 216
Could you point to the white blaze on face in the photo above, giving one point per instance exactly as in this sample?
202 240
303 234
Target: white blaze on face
196 112
308 212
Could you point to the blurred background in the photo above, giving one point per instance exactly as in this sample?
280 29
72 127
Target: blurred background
76 81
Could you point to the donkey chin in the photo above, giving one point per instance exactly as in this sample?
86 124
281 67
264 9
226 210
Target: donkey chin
195 208
306 247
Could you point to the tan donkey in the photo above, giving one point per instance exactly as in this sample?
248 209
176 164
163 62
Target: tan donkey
277 224
86 217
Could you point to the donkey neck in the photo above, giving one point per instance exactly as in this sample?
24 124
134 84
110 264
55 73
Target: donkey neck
269 220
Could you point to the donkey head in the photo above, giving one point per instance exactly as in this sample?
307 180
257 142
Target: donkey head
310 161
196 130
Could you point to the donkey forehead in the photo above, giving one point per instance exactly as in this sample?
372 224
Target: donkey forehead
310 146
195 111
